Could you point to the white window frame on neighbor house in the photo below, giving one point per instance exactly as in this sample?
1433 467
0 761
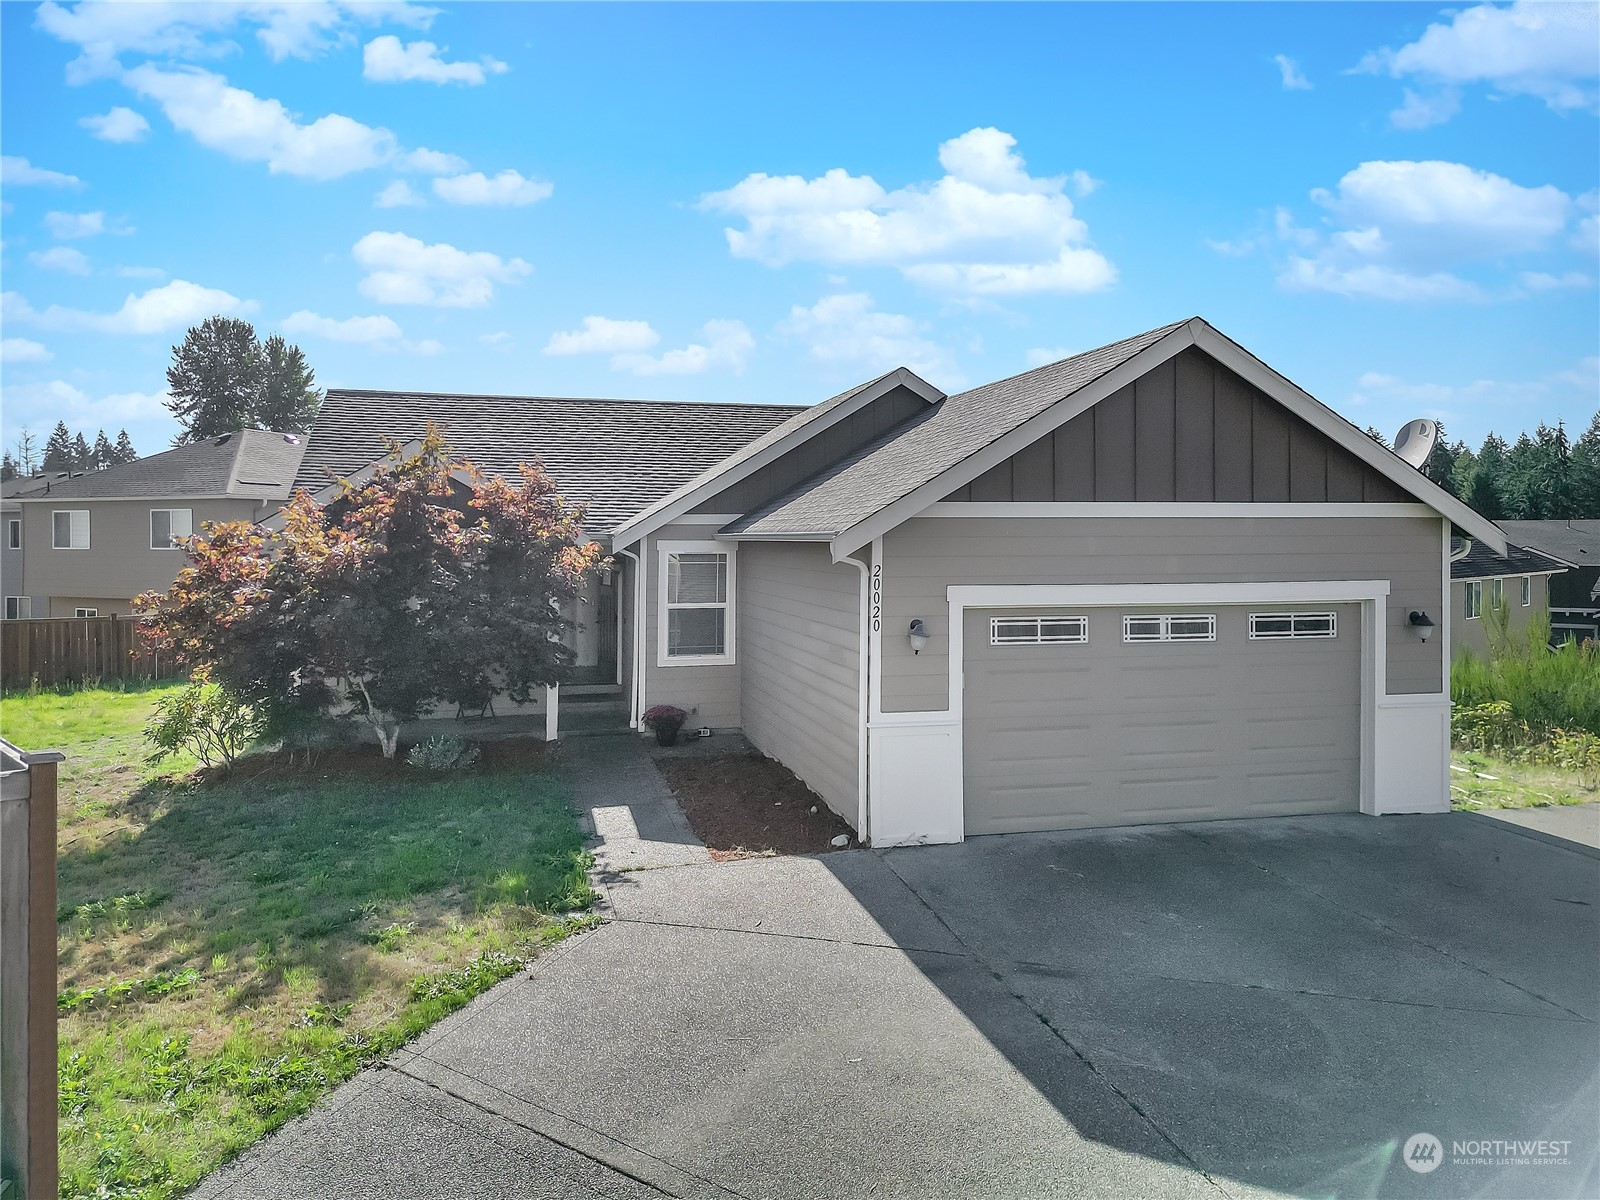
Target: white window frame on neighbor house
14 533
1497 593
172 527
1472 599
665 552
1527 590
86 612
73 528
19 608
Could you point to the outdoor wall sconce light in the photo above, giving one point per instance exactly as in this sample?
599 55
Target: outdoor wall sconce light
1422 623
918 633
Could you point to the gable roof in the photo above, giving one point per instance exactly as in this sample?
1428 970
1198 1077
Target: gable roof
617 456
1574 542
1480 562
930 456
249 464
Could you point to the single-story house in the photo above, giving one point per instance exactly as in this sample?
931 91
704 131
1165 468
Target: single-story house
85 543
1575 595
1152 582
1480 579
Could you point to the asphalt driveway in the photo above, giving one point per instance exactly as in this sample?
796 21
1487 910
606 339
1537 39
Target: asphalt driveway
1229 1009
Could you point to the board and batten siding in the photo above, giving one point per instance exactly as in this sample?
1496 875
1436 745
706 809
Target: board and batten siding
800 667
926 555
1187 431
709 694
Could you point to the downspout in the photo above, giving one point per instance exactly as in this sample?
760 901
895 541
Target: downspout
1466 549
637 689
863 810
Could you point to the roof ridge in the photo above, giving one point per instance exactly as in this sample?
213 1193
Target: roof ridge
1158 331
379 393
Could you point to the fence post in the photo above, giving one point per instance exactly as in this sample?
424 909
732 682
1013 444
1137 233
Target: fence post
28 1106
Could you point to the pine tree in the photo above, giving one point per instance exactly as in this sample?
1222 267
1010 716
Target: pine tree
123 451
58 450
1377 437
287 400
8 468
214 378
1586 472
103 455
1440 464
82 456
27 452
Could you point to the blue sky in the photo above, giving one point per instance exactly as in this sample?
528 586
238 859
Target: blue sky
1395 205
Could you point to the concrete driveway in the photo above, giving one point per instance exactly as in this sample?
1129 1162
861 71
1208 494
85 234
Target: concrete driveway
1230 1009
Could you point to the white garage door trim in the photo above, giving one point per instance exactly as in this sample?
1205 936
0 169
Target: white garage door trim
1369 593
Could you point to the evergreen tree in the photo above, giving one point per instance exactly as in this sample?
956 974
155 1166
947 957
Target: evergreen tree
58 449
103 455
82 456
1377 437
1586 472
287 400
123 451
214 378
1440 464
27 452
8 468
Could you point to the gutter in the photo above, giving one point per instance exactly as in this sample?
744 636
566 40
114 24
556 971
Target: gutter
636 691
863 809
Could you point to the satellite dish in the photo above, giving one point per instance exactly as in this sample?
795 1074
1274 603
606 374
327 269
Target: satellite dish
1415 441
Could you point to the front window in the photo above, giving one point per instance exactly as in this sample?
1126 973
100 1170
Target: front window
70 529
1472 600
14 534
86 612
167 525
19 608
1527 590
1497 593
696 603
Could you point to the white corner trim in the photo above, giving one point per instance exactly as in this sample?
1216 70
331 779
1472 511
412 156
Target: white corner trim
961 508
730 620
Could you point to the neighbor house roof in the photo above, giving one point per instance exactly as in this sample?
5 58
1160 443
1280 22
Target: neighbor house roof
617 456
1575 542
1480 562
249 464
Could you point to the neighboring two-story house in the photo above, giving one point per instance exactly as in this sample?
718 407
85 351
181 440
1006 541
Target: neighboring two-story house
84 544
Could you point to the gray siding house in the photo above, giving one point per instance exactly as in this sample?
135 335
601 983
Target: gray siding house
1153 582
1521 582
89 542
1574 594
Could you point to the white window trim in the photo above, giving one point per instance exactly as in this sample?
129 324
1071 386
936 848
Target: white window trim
169 512
13 533
1527 591
1039 638
1472 600
1293 634
730 623
85 612
24 606
88 533
1165 634
1497 592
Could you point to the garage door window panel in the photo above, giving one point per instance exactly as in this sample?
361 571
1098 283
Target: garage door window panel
1274 626
1184 627
1038 631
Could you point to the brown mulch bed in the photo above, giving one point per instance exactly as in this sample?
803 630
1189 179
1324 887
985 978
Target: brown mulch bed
747 805
498 754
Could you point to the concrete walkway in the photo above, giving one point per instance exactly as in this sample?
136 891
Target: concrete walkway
627 807
1573 823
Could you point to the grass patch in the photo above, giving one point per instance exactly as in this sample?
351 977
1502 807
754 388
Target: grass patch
231 949
1482 780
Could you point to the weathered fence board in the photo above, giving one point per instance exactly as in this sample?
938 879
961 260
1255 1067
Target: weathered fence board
70 650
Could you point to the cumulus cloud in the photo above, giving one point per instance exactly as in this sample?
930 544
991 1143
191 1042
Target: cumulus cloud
352 329
987 226
57 400
61 258
1572 388
431 162
1418 111
1043 356
404 270
602 335
506 188
1293 78
19 172
172 306
1543 281
397 195
846 329
1549 51
725 345
21 350
66 225
386 60
118 125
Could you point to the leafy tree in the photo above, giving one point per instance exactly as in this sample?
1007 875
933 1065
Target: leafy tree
123 451
58 449
214 378
102 454
82 456
287 398
410 589
8 468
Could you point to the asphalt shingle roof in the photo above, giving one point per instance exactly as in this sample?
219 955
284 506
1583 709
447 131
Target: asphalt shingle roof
1578 542
251 464
617 456
1483 563
905 458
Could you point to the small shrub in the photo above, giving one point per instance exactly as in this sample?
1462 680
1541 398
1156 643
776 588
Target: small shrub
1577 752
204 718
1489 727
442 753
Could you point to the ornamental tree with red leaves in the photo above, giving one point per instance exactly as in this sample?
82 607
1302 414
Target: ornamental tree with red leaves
429 583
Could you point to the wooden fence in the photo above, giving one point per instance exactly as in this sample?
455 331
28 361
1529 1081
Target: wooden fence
70 650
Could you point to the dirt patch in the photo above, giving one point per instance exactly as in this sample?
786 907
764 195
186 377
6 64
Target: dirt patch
497 754
746 805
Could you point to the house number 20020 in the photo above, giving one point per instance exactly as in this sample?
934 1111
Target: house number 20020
877 597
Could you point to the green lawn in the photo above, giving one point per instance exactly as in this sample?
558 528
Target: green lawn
1479 780
230 950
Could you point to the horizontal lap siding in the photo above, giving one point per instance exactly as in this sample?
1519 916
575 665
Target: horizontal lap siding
927 555
799 646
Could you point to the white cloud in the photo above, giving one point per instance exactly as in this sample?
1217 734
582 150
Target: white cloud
1551 51
986 226
385 60
1375 282
118 125
352 329
1083 183
61 258
57 400
1043 356
602 335
245 126
140 272
19 172
498 338
171 306
75 225
21 350
398 195
1543 281
506 188
1293 77
431 162
726 345
1419 111
1573 388
404 270
847 330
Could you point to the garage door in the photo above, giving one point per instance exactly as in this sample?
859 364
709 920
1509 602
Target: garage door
1076 718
